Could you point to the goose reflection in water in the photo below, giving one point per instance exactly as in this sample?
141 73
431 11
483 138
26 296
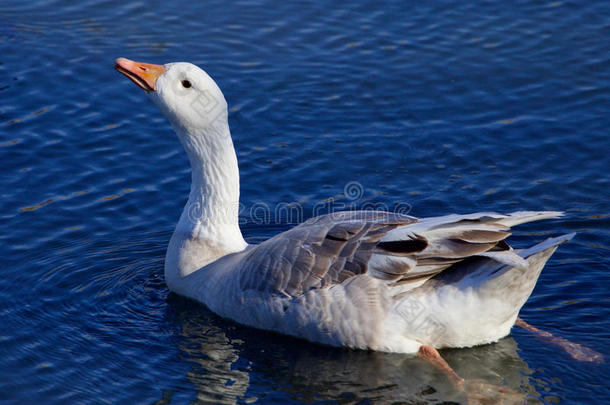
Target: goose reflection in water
236 364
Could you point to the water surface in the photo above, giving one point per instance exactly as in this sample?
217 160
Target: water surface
438 108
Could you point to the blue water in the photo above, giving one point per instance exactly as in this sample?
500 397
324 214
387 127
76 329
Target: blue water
440 108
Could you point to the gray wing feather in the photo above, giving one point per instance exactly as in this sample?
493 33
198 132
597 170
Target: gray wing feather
395 248
320 252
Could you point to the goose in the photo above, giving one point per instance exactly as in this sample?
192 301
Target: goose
369 280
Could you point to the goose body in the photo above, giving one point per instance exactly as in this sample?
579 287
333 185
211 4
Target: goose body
362 279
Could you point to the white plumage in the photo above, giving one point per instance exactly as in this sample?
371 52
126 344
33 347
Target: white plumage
364 279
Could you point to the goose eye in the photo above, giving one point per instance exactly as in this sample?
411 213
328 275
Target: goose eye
186 84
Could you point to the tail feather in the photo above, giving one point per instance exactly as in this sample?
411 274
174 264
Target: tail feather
477 301
514 283
518 257
444 241
550 242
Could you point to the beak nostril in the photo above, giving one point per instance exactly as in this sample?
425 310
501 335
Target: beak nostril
143 68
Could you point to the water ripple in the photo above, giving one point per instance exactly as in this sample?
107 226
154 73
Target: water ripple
444 107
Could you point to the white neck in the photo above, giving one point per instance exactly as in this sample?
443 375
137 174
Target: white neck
209 225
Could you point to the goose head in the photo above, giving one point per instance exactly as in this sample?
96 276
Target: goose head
185 94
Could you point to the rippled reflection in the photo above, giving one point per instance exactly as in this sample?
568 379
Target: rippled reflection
231 363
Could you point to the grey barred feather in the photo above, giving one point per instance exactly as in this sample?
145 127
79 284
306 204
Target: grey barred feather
323 251
395 248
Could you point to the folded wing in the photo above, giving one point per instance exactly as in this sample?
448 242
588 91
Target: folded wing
400 250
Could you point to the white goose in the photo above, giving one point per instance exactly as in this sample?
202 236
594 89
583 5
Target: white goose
361 279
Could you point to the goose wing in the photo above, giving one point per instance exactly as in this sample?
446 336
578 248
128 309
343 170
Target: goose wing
399 249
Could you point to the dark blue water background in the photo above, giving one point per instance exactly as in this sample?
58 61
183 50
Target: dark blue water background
447 107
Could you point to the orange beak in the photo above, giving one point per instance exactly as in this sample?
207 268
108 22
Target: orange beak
145 75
